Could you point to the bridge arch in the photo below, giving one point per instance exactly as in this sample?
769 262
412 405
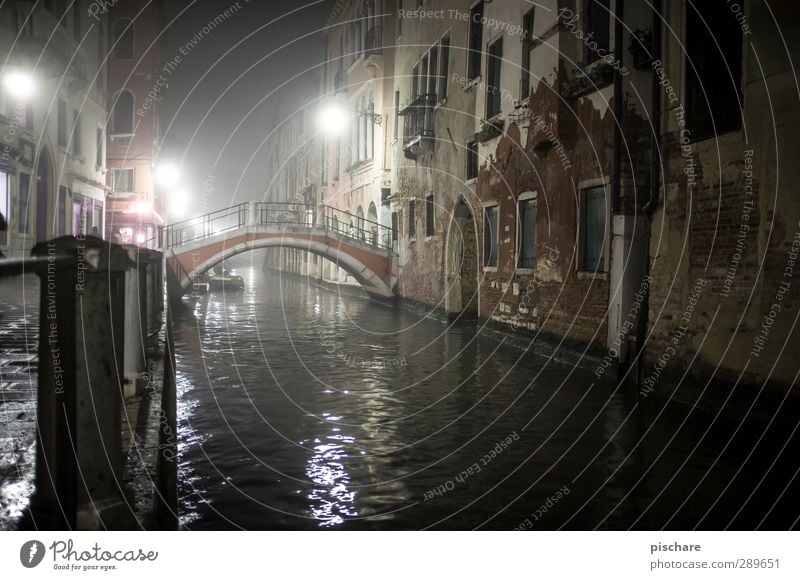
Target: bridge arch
370 269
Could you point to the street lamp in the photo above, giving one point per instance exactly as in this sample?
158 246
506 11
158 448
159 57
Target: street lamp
167 174
19 84
333 117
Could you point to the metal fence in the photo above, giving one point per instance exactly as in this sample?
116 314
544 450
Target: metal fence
205 226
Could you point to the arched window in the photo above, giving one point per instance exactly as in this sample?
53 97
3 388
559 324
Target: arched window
123 38
122 120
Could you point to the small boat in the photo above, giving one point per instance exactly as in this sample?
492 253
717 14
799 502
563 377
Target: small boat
225 281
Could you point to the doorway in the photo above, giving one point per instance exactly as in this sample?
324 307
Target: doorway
461 293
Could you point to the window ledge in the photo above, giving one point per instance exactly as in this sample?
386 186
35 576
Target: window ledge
584 275
490 268
525 271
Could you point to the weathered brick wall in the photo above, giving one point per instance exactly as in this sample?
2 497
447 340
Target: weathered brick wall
725 295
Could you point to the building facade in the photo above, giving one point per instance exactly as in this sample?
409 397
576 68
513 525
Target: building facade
137 80
53 113
601 176
294 170
358 78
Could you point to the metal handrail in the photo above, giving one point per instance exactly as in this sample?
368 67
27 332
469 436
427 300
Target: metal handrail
207 225
367 231
296 215
286 213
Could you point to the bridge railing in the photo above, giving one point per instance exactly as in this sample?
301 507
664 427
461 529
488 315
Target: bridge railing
285 214
361 229
312 216
205 226
302 215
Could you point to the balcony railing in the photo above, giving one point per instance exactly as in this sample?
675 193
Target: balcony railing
418 123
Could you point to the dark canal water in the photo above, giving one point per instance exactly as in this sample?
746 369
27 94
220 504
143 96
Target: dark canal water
302 409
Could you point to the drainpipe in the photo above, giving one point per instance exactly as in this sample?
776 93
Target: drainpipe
655 164
616 144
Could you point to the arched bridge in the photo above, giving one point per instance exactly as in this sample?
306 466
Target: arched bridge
361 247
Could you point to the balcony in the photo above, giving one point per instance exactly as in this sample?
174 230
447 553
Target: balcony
418 125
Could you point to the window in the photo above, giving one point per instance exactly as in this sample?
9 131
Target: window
412 219
493 69
24 22
23 219
77 136
527 55
20 111
444 67
526 232
433 73
123 39
123 113
475 41
423 75
99 158
415 82
76 20
97 217
429 213
62 210
399 17
472 160
122 180
490 236
370 127
598 25
62 122
713 74
394 226
396 125
5 205
592 234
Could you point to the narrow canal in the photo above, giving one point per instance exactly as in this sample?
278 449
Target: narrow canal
303 409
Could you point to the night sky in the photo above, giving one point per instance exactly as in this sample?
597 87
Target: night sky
247 56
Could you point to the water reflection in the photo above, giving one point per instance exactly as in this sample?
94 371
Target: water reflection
331 499
282 427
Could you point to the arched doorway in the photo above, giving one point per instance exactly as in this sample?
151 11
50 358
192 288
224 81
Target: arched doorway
43 196
462 263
